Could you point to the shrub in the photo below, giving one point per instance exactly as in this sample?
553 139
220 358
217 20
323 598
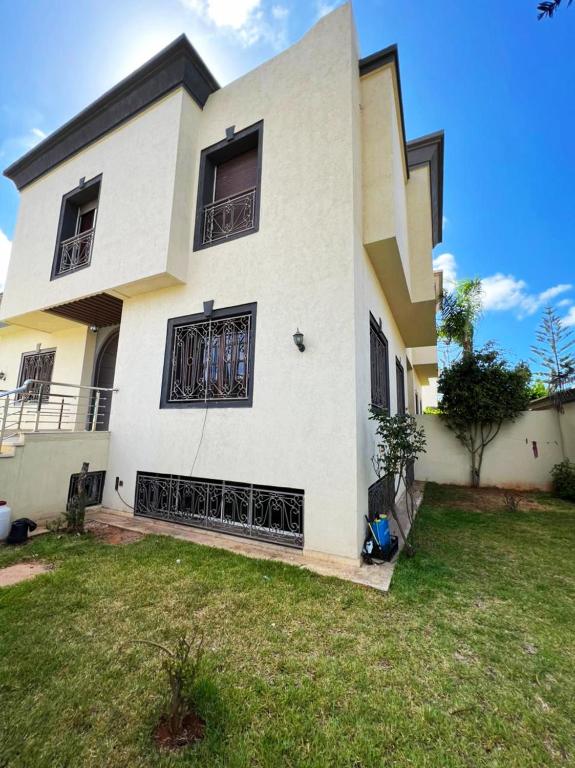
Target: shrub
563 475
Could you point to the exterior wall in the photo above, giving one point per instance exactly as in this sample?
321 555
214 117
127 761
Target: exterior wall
140 209
508 462
568 429
74 353
35 480
301 430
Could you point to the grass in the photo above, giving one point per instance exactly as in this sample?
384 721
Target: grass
469 661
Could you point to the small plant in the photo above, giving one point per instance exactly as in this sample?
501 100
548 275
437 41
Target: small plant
399 443
511 501
182 667
563 475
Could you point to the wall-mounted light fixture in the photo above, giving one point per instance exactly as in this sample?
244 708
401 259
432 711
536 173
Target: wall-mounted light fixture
93 328
298 340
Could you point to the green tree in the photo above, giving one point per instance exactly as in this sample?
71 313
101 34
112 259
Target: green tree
555 354
547 8
537 389
460 312
479 393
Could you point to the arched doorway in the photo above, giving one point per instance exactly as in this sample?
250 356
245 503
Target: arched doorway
104 377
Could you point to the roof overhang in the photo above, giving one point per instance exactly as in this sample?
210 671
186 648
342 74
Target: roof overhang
98 311
428 150
177 65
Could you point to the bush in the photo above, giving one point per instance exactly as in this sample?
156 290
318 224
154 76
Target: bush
563 475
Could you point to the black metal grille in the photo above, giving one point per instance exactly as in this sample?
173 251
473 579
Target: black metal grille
379 367
381 496
94 487
410 473
229 216
256 511
210 360
36 365
400 381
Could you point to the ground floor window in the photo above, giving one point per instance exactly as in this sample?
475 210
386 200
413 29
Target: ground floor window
209 359
39 366
400 383
379 363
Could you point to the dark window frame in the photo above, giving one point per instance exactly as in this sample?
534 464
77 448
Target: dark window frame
33 394
94 487
200 317
77 197
375 328
210 157
400 386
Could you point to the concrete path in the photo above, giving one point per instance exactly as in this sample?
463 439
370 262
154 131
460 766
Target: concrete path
13 574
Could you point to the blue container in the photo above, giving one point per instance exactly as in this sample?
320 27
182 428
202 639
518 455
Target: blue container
381 530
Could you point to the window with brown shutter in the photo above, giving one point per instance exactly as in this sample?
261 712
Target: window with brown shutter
229 188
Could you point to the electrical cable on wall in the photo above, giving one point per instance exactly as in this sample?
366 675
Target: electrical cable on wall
200 441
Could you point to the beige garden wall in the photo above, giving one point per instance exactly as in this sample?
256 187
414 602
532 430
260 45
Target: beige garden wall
35 480
520 457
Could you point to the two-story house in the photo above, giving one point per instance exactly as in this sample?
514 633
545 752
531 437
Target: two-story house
249 267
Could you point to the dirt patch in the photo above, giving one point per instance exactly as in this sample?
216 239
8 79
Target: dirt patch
14 574
488 499
109 534
192 730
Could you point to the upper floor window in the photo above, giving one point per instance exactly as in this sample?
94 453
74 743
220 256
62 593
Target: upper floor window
38 366
76 228
229 188
400 383
209 359
379 366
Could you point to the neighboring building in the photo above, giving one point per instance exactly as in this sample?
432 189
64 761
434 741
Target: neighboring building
171 240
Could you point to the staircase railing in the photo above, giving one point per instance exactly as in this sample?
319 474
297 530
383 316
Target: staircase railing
51 406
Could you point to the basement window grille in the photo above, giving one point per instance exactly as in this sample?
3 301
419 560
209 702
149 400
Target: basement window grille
259 512
381 496
94 487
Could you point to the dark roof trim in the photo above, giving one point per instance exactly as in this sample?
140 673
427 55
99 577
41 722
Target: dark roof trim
389 55
176 65
429 149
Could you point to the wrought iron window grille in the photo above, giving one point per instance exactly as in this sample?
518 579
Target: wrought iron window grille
379 361
94 487
229 216
75 252
36 365
381 496
210 359
259 512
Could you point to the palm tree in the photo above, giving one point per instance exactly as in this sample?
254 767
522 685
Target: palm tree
460 311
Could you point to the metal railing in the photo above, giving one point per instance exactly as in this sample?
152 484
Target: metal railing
49 406
229 216
242 509
75 252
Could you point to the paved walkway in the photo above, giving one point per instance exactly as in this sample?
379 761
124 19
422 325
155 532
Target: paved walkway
13 574
375 576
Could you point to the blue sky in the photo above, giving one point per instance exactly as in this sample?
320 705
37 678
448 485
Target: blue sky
498 82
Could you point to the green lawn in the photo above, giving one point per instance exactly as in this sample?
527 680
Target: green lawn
468 661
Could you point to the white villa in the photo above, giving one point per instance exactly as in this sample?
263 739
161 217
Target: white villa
210 285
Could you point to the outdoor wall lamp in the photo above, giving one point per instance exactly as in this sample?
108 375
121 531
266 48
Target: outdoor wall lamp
298 340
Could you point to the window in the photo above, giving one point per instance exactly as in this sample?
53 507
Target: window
228 199
76 229
379 366
37 365
416 403
400 383
209 360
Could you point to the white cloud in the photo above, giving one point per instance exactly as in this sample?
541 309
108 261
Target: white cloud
447 264
444 221
501 293
5 248
245 20
505 292
569 318
14 146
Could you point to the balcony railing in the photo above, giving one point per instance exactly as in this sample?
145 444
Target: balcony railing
48 406
229 216
75 252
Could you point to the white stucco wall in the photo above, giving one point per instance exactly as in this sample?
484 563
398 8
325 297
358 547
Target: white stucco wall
301 430
136 205
74 353
35 480
509 461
